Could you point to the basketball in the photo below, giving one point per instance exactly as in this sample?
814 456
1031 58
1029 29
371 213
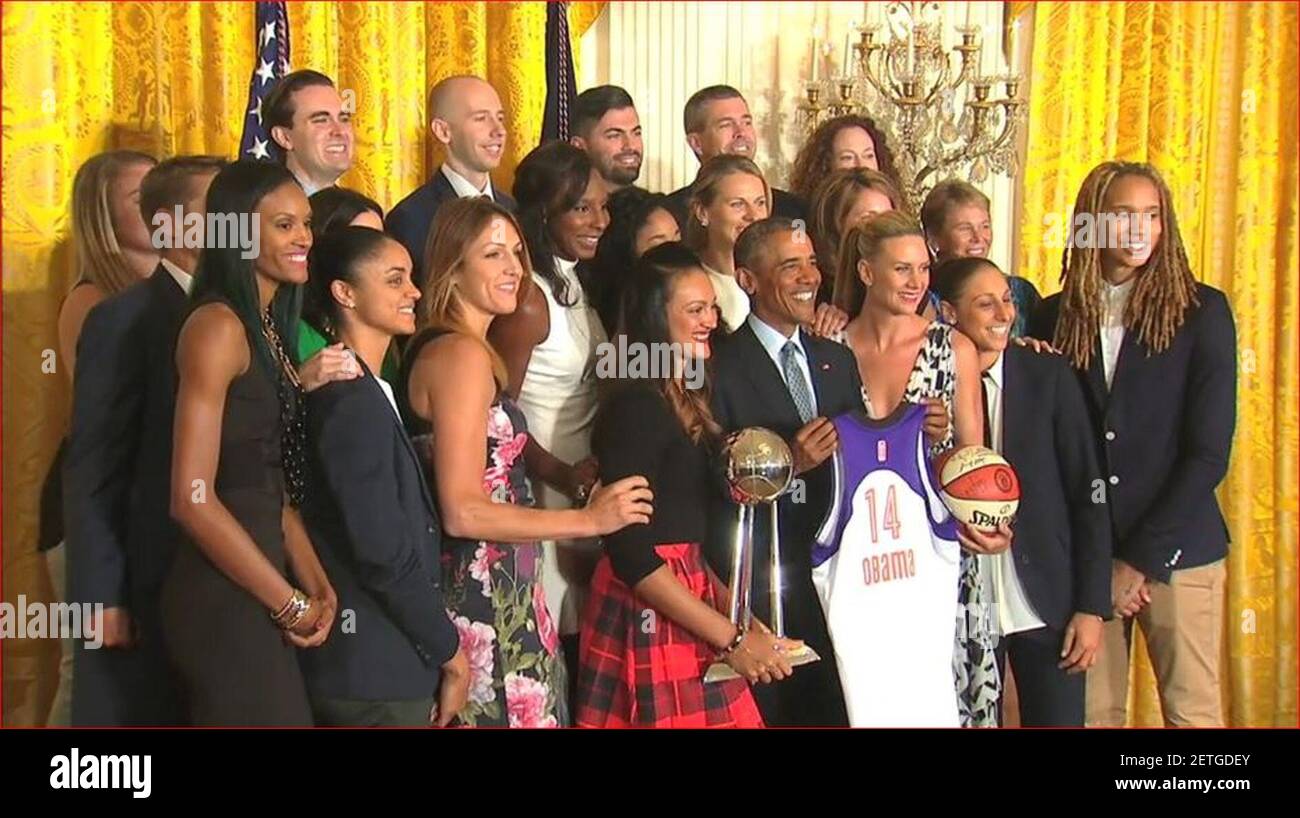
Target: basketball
759 465
978 486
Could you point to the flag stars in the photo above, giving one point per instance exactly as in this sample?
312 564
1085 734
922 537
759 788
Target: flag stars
259 150
266 71
267 35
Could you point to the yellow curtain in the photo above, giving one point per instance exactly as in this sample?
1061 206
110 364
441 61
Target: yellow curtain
1208 94
171 78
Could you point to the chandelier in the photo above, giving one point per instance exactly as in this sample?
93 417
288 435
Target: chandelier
943 116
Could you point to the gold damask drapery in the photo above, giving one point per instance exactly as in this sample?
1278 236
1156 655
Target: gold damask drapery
171 78
1208 94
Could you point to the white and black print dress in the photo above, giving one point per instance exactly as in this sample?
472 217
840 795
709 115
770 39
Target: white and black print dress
974 667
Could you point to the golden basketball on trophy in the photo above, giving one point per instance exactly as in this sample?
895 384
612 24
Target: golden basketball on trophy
759 469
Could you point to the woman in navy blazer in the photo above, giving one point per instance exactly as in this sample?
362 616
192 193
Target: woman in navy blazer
395 658
1052 588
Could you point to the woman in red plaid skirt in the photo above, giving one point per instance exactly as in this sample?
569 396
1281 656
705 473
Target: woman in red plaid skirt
652 624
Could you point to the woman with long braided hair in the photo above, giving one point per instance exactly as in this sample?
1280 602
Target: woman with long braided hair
1156 351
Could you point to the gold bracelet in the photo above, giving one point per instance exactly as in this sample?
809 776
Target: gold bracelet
288 617
284 609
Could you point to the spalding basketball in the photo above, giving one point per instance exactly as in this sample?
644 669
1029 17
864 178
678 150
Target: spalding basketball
978 486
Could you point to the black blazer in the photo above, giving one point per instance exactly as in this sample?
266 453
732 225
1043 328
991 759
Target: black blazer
1164 433
784 204
748 390
409 220
1062 538
374 524
117 473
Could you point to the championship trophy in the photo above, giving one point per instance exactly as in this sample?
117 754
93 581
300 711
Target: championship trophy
760 469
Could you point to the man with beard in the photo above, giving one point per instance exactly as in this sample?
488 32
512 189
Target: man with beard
606 126
717 121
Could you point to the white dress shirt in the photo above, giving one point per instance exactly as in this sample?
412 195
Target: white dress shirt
183 279
1014 611
773 342
464 188
1114 299
388 393
309 187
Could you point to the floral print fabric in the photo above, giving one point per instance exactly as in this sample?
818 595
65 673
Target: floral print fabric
517 676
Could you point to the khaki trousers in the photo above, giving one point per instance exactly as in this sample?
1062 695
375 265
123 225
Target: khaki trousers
1183 627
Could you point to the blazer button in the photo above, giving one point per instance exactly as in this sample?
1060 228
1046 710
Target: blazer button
1114 480
429 529
1110 435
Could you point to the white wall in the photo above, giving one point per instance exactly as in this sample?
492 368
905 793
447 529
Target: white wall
662 52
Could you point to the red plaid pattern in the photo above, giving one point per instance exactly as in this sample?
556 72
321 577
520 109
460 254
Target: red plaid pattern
638 668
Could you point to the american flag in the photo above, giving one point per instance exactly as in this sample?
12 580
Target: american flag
271 63
561 85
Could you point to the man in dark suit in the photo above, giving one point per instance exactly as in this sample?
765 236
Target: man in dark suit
771 373
117 474
375 527
466 116
717 121
1157 365
1051 589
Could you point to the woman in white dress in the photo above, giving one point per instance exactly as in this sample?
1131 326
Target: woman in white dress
549 345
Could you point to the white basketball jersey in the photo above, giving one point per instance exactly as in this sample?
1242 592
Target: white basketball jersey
887 569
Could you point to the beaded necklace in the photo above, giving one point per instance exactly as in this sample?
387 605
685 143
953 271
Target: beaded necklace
293 410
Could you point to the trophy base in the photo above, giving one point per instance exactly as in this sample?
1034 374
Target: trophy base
721 671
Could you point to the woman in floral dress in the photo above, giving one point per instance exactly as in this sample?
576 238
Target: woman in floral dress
473 436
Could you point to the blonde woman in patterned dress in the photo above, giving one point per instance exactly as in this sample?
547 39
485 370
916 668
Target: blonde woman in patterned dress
904 357
473 436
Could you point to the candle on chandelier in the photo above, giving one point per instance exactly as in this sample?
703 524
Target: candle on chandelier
814 59
847 66
1014 46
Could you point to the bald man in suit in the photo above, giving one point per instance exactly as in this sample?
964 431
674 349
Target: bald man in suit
466 117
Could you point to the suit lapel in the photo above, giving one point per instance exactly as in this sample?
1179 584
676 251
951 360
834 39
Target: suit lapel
171 294
1014 412
1131 352
377 393
441 187
1096 376
821 378
766 378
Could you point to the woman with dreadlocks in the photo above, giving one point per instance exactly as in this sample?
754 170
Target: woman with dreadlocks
1156 352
